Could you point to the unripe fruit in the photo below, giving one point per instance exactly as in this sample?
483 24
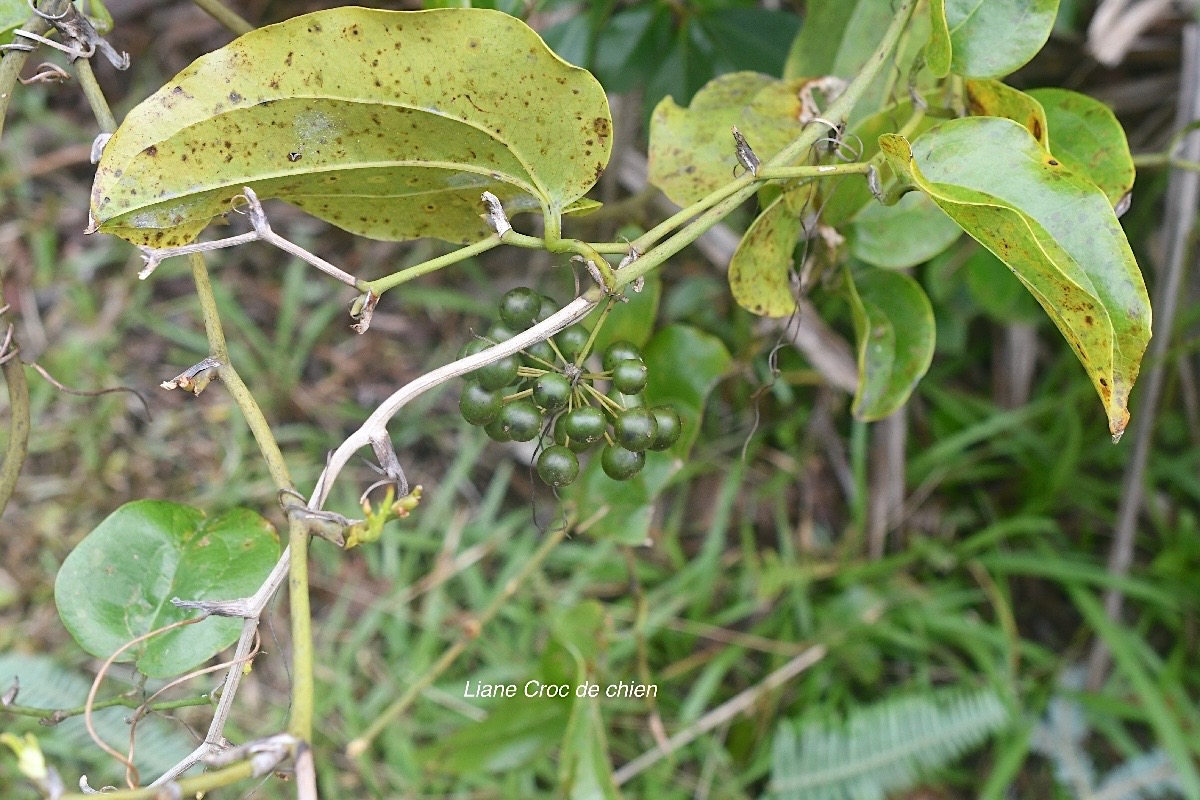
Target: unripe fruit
584 425
669 426
519 307
550 307
635 429
500 333
498 374
552 391
472 347
629 376
621 464
538 355
572 340
521 420
478 405
558 466
619 351
495 431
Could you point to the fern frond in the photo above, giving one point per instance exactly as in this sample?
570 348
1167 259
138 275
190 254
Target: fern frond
1059 737
881 748
1142 777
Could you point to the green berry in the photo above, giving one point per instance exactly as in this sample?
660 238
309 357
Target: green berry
552 391
621 464
495 431
538 355
520 306
635 429
619 351
472 347
521 419
572 340
550 307
498 374
500 332
669 426
557 465
585 425
478 405
629 376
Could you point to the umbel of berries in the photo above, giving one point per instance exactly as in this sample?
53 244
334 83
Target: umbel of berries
550 389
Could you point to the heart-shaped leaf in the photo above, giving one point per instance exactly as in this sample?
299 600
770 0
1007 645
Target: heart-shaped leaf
627 506
388 124
1054 229
894 327
987 38
117 584
1087 138
989 98
911 232
761 268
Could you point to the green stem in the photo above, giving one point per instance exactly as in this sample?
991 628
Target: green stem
738 191
188 787
381 285
18 423
95 96
587 347
1158 160
225 16
360 744
300 724
819 171
218 349
14 60
53 716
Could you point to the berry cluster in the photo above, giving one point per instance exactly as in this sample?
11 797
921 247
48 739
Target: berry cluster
512 398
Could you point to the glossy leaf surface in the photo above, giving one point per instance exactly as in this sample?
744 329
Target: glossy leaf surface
911 232
388 124
117 584
1055 230
988 38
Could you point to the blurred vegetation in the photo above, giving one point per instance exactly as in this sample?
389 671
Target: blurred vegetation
991 573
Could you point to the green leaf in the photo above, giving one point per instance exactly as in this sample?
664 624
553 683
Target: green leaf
761 268
893 323
117 584
939 50
585 767
751 38
993 38
989 98
837 38
911 232
627 506
691 149
388 124
1055 230
13 14
1087 138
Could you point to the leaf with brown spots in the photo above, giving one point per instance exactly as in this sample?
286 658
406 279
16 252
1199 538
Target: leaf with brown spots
894 328
988 98
388 124
117 584
1054 229
761 268
1086 136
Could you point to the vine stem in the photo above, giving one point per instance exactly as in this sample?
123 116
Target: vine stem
53 716
227 17
300 724
95 96
740 190
359 745
188 787
403 276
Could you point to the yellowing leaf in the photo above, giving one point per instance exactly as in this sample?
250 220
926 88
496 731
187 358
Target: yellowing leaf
388 124
988 98
761 268
1052 228
1087 138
